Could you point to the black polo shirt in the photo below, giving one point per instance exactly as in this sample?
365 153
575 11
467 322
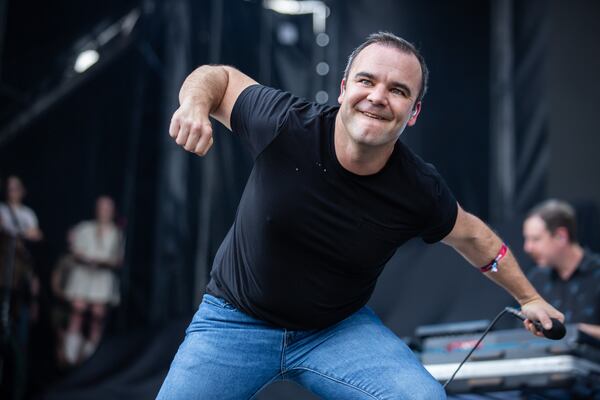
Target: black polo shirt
579 296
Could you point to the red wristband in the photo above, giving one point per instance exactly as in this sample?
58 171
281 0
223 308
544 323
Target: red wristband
493 265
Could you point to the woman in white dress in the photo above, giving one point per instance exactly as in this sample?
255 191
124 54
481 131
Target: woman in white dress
91 283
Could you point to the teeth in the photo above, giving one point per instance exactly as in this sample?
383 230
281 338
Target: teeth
371 115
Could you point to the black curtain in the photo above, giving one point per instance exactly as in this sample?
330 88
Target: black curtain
197 196
520 151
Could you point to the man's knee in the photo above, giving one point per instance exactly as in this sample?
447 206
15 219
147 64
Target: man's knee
410 384
427 389
436 391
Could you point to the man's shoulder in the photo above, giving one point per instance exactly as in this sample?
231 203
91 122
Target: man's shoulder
412 159
591 261
291 103
539 273
256 93
415 167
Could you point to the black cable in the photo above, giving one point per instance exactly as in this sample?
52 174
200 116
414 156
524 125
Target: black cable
490 326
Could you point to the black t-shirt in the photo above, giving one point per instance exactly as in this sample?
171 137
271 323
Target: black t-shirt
578 298
310 238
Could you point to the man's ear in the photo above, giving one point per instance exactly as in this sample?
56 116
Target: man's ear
414 114
342 91
562 234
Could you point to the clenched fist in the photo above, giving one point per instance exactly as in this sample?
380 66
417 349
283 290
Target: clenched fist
191 128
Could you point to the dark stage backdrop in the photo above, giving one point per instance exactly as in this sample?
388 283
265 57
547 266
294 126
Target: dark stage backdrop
110 136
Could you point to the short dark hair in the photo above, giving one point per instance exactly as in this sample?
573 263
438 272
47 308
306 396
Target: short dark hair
557 214
391 40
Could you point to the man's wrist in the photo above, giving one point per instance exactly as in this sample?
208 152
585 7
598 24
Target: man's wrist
523 301
201 103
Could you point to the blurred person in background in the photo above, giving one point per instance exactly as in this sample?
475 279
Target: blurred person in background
87 280
19 285
16 218
567 275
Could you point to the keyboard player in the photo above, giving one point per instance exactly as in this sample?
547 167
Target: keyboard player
567 275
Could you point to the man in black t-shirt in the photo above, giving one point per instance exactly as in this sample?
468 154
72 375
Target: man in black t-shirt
332 194
567 275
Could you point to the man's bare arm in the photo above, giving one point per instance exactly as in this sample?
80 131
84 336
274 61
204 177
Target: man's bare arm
210 90
590 329
478 244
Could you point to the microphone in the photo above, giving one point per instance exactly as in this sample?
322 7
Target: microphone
557 331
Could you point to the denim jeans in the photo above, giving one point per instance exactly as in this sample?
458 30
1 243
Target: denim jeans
227 354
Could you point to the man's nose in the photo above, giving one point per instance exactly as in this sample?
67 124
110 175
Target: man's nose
377 95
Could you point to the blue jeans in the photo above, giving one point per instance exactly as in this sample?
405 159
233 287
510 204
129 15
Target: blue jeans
227 354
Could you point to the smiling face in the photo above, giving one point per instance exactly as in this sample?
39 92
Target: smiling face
378 98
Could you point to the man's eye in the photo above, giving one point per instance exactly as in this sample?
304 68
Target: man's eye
365 82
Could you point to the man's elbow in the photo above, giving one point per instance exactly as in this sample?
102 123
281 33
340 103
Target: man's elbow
467 228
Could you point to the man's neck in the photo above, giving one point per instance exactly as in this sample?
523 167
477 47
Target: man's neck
568 263
356 158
